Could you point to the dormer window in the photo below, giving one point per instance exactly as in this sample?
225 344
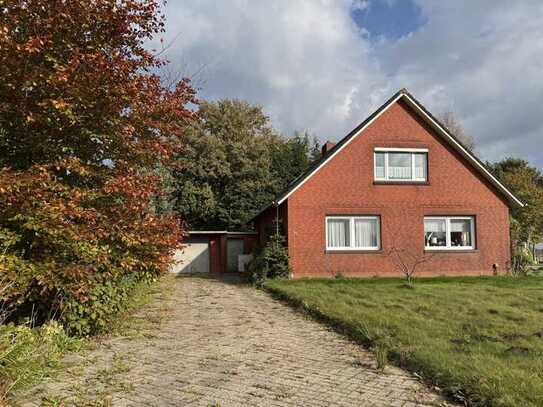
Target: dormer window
401 164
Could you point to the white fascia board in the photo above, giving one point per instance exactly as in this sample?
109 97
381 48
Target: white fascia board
436 125
401 150
465 152
339 149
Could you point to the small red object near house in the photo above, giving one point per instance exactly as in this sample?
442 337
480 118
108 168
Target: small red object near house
399 182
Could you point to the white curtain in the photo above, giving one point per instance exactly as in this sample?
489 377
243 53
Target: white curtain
420 166
460 225
365 232
380 165
461 232
338 233
434 225
399 165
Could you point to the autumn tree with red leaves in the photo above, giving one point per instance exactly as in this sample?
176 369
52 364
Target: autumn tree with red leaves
84 124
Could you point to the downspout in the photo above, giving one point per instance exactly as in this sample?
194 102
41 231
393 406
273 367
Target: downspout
274 203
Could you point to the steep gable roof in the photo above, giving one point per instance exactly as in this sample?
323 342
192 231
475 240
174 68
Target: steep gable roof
418 108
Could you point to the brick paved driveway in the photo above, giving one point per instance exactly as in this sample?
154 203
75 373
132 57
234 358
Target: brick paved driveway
225 344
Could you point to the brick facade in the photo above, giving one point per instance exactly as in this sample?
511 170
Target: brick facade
345 185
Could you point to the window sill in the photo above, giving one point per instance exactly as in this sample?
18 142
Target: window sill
451 251
378 251
401 183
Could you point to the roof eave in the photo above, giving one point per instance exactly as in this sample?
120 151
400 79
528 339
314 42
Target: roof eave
341 145
463 151
262 210
402 93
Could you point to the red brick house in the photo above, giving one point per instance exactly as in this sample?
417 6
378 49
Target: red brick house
399 181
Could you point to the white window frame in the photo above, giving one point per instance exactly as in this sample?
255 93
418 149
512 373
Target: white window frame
352 220
447 220
387 150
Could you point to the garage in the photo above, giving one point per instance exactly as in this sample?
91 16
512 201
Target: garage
195 257
235 248
214 252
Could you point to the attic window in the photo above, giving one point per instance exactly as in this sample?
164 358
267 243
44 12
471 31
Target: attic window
401 164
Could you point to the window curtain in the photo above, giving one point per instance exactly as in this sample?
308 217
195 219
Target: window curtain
365 232
380 165
461 232
399 165
420 166
434 225
460 225
338 233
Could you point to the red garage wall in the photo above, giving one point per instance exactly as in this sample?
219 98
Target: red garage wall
265 223
345 185
218 247
217 251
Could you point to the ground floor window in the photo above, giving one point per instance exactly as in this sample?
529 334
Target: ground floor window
352 233
449 232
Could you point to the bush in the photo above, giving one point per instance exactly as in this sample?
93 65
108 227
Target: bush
25 353
60 243
271 262
105 302
521 261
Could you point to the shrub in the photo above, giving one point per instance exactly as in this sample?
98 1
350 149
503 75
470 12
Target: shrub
60 243
521 261
257 268
270 262
105 302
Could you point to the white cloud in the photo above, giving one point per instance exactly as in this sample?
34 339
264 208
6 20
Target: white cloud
306 62
359 5
482 60
312 68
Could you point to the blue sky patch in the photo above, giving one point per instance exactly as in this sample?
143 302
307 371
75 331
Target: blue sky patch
391 19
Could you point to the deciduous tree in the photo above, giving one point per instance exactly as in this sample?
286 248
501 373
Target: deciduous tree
453 125
234 163
84 123
526 182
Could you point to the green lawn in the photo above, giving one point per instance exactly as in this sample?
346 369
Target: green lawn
479 338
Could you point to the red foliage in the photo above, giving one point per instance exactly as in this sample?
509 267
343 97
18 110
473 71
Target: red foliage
64 239
84 124
76 80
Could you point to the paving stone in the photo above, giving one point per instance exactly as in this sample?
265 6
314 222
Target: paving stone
227 344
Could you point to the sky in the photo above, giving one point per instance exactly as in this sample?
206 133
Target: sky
323 66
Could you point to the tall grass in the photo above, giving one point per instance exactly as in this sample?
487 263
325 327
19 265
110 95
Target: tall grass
27 354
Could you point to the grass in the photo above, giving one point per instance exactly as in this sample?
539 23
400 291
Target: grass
29 355
139 318
480 339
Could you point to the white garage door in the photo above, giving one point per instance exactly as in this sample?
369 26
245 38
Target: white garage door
193 258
